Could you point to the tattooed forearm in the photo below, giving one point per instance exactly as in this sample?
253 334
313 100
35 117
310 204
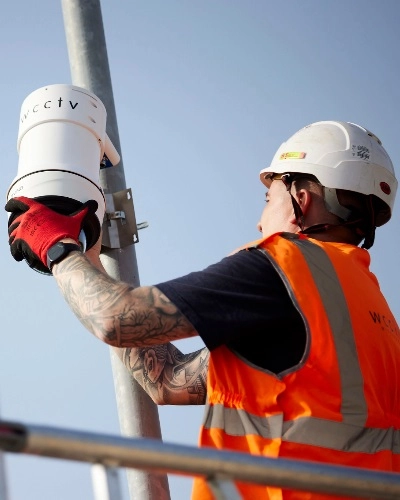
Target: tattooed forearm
115 312
168 375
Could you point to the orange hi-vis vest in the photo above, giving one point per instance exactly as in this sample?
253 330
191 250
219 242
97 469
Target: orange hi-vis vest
341 403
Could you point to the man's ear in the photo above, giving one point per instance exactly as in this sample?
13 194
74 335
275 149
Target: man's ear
304 197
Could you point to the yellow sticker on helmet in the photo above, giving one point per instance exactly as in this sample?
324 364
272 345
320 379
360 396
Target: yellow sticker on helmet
293 155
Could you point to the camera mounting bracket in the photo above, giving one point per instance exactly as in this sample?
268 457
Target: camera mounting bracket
119 226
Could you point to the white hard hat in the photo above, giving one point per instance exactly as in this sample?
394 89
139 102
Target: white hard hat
341 155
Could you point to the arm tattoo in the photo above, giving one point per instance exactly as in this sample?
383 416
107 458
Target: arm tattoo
167 375
114 311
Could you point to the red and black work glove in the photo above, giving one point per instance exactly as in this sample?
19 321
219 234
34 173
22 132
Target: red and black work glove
38 227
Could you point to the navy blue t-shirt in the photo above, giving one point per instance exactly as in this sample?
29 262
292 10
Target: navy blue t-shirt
242 302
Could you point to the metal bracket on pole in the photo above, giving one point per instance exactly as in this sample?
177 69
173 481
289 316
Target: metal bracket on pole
119 227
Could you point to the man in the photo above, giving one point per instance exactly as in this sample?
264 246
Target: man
302 348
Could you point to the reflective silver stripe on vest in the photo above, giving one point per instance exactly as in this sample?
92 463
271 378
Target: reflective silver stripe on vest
341 436
241 423
350 434
354 407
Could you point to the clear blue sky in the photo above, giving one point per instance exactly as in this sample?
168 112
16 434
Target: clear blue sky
205 92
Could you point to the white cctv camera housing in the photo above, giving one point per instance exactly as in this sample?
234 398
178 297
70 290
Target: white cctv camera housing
62 142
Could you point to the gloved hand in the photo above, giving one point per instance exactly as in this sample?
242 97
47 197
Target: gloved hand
38 228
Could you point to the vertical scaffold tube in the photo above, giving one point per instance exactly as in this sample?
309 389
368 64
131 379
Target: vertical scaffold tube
89 66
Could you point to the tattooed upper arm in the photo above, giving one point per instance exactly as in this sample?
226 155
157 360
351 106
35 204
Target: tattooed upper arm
167 375
114 311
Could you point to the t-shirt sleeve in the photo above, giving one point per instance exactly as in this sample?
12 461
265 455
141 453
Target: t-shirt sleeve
240 298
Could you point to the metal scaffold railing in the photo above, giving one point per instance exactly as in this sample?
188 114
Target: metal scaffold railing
221 468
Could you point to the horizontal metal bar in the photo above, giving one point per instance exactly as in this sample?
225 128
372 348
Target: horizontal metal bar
150 454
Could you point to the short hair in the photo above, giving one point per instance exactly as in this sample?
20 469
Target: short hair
362 207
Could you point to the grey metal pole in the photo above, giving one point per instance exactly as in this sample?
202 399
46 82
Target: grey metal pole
3 481
105 483
88 59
